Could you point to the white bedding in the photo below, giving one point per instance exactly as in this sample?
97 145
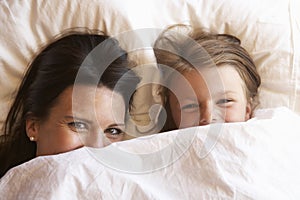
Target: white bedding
258 159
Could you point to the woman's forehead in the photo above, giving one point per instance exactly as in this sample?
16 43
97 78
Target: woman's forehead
85 97
99 104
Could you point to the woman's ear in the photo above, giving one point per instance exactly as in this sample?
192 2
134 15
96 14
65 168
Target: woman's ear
32 127
248 112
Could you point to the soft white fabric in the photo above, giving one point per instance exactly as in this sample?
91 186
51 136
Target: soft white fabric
257 159
269 30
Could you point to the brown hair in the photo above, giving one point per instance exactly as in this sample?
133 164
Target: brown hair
54 69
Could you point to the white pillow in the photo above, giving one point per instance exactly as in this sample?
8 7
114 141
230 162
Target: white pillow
268 29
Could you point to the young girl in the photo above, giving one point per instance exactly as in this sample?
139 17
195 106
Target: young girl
208 77
75 91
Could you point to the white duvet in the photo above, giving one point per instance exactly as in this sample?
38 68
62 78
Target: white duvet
257 159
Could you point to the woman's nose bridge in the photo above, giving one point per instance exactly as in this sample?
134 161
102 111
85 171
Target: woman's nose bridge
96 138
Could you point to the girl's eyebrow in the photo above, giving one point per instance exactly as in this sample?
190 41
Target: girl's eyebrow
77 119
226 92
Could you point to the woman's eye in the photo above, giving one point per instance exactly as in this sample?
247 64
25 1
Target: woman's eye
113 131
114 134
224 101
79 126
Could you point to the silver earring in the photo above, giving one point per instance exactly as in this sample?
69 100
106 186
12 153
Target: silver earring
31 138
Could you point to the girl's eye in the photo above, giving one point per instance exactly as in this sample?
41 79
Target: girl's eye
224 101
190 106
78 126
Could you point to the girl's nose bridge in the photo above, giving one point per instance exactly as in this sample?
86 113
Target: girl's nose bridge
205 114
211 114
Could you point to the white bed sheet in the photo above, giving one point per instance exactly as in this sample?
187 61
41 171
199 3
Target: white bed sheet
258 159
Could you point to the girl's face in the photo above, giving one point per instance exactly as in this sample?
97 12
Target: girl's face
93 117
220 97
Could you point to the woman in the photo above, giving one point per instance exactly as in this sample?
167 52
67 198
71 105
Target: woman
76 88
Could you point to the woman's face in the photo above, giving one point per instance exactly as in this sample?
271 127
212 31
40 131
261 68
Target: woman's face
90 117
220 97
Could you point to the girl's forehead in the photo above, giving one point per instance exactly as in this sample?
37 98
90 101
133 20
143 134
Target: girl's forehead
217 80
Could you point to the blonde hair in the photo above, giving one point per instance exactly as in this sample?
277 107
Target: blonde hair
196 48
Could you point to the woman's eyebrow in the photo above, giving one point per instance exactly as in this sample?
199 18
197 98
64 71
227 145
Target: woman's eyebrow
77 119
115 124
